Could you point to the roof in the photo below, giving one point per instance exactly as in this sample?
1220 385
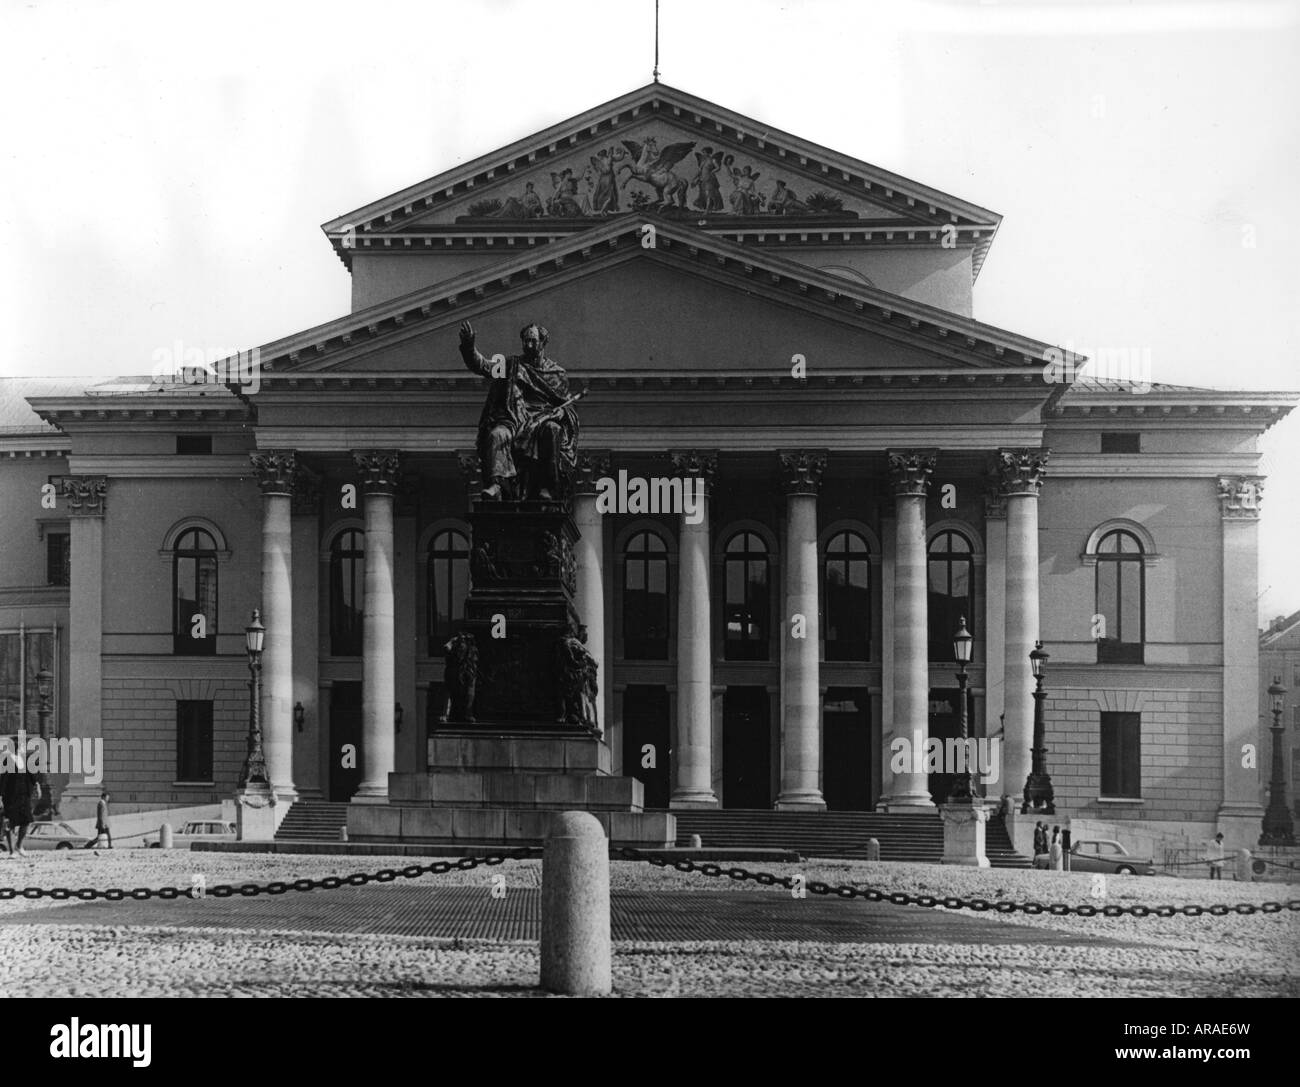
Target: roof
1280 628
17 417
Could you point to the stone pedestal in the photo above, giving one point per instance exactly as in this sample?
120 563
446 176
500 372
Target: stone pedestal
257 815
964 825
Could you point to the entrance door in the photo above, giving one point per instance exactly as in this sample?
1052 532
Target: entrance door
846 749
746 748
945 726
345 728
646 740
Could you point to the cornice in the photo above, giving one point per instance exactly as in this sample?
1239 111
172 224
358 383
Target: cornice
1153 465
162 466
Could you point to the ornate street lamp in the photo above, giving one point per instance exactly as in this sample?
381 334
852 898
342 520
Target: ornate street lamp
44 690
1277 820
1038 786
962 643
254 769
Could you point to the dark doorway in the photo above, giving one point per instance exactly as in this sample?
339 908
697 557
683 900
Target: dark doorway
646 739
746 748
345 729
944 726
846 749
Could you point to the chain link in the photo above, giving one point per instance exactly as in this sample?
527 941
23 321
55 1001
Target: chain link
954 902
275 887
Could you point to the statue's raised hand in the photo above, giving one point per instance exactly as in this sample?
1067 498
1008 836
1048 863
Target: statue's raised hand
466 334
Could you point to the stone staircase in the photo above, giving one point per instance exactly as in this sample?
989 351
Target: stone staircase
813 834
839 834
312 821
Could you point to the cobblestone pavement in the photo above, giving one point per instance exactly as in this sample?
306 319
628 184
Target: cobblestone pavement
1256 955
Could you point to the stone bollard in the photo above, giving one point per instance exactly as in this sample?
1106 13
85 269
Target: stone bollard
697 842
165 836
343 833
1244 874
575 906
873 849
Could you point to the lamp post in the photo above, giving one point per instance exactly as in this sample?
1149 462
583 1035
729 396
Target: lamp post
44 690
254 769
1277 820
1038 786
962 643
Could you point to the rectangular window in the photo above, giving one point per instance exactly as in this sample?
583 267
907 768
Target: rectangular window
1124 441
1121 755
58 558
193 445
193 740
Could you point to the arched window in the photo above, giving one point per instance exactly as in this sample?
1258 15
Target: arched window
347 592
1119 622
448 577
194 594
952 590
645 598
847 598
745 601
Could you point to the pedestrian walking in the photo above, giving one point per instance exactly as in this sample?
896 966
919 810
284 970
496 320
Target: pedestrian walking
19 790
1057 851
1215 856
1040 838
101 820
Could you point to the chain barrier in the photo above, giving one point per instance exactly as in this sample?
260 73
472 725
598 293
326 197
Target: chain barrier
275 887
950 902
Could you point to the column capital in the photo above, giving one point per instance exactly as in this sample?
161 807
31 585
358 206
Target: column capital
87 495
910 471
696 462
1021 471
802 470
591 466
275 470
1240 497
378 469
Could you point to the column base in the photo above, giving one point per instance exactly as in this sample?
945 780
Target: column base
801 801
371 794
964 826
907 803
687 799
286 794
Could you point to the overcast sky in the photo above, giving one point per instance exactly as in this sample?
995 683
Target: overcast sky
166 166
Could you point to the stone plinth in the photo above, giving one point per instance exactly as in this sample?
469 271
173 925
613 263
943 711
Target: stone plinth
964 825
541 750
257 814
496 826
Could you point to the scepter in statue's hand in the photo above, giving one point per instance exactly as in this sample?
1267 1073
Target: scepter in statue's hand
555 412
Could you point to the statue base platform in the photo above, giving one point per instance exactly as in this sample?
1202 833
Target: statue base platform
502 787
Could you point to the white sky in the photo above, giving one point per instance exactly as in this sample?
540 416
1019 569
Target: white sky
164 167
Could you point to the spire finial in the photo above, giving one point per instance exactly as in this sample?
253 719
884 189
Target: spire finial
655 73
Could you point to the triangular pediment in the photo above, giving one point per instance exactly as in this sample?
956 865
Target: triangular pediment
645 296
660 149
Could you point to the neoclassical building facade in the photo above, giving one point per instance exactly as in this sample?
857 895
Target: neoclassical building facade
791 328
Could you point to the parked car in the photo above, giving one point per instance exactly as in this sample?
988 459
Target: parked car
197 830
1102 855
51 835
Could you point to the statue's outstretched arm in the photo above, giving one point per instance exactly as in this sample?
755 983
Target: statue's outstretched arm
474 361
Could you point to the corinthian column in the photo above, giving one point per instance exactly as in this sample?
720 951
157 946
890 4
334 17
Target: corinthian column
589 595
275 470
85 499
378 471
909 473
692 754
1020 476
1240 498
801 732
